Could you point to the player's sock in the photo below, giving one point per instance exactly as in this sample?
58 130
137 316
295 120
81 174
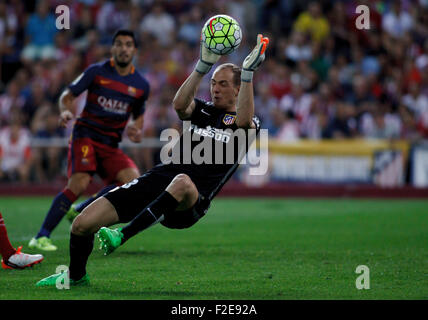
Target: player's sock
6 249
80 249
58 209
151 214
79 208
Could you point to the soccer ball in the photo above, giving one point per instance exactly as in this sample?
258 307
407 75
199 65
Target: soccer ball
221 34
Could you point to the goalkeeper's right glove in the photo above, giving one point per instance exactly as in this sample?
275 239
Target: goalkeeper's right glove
206 60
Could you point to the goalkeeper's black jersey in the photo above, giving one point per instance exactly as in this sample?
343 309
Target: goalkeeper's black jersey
210 148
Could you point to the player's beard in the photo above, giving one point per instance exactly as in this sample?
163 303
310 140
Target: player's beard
122 64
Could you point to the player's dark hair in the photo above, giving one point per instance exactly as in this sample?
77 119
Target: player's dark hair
125 32
236 72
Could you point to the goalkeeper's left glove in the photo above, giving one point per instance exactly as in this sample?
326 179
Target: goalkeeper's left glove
254 59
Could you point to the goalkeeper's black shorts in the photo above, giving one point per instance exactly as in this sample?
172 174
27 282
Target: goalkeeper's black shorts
132 198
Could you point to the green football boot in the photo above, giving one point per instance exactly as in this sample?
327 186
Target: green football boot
52 280
43 243
110 239
71 214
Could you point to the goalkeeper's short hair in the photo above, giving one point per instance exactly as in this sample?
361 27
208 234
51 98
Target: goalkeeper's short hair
235 69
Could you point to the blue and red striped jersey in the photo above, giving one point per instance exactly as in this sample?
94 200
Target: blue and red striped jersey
111 100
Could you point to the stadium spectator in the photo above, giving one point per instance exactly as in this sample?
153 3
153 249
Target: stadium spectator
8 23
297 100
415 100
360 93
15 151
47 158
157 76
280 83
313 23
10 100
84 24
339 26
289 127
190 26
63 48
410 130
111 17
22 78
267 103
420 25
298 49
320 63
417 105
275 15
36 98
11 42
342 125
422 124
380 125
40 33
345 69
322 108
160 24
245 12
397 21
421 60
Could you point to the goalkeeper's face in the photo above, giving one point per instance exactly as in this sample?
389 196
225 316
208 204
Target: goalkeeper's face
223 90
123 50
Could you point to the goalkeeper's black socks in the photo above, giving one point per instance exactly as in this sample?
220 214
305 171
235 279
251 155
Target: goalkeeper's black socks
80 249
151 214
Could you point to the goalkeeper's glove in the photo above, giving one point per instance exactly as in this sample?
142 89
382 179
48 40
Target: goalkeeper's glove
254 59
206 60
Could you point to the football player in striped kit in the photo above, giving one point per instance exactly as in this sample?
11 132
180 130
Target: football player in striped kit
115 92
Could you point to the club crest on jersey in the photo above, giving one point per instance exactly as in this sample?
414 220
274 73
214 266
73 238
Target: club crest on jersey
132 91
229 119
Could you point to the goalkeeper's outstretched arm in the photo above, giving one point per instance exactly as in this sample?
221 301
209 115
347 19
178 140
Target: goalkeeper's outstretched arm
183 102
245 104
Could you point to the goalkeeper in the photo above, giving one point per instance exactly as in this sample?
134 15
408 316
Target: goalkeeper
175 195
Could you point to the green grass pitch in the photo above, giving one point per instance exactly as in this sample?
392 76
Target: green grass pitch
243 249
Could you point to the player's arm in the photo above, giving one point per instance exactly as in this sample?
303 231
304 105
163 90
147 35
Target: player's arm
183 102
80 84
66 107
245 104
135 129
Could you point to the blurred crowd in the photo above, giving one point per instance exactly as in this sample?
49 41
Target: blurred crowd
323 78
